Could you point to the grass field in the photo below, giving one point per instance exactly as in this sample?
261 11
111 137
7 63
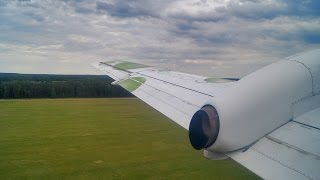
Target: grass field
99 139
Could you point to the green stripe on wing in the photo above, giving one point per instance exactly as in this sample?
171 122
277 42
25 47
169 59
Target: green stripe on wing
132 84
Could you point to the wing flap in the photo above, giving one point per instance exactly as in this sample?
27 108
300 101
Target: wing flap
260 160
292 151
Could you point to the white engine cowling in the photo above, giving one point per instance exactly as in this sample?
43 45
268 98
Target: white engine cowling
253 107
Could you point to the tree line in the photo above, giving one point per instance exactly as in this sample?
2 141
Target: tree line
15 86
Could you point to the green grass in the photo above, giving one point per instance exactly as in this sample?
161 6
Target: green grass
99 139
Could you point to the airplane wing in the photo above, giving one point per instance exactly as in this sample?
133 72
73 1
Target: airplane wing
174 94
292 151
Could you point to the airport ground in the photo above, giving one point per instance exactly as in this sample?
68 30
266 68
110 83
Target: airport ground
99 139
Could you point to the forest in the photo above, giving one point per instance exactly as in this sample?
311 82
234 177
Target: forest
16 86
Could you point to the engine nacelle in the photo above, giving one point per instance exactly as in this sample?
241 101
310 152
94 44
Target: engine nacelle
204 127
251 108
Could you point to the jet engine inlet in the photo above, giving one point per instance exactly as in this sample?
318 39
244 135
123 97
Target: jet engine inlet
204 127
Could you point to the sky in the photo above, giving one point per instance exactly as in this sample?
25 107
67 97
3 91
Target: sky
218 38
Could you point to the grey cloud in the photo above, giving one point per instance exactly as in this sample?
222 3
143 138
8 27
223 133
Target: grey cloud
183 27
126 8
249 10
205 17
84 10
257 10
3 3
36 16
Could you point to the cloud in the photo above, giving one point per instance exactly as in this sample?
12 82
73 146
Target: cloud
220 37
125 9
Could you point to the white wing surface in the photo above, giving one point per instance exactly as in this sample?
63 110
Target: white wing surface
174 94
